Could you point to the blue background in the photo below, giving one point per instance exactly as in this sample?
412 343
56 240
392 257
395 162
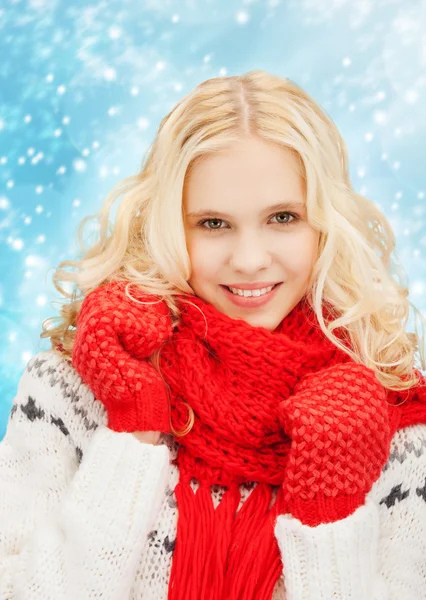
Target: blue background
84 86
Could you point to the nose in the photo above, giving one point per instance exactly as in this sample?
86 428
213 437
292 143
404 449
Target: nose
249 254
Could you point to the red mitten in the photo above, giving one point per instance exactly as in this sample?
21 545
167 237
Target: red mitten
114 337
338 422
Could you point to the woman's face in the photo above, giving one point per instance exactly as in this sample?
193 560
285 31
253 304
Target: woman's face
245 224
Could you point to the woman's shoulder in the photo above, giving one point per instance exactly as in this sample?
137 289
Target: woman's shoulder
50 391
408 442
408 452
402 484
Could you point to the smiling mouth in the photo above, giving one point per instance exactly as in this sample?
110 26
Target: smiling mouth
256 293
252 299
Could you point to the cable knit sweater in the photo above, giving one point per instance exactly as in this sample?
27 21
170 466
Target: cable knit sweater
89 513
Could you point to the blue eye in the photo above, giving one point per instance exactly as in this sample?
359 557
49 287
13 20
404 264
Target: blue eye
293 219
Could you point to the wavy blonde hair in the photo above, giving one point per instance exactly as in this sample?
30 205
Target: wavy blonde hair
353 273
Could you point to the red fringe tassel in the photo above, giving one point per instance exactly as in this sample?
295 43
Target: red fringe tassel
222 554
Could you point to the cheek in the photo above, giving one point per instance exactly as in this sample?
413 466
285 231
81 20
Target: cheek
299 253
204 257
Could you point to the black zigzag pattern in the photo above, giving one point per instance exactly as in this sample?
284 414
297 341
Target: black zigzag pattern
421 491
395 495
33 412
55 376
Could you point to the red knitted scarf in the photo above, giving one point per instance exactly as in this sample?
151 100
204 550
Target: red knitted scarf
234 376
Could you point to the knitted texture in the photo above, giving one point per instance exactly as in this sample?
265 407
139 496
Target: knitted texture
114 334
339 425
235 377
87 512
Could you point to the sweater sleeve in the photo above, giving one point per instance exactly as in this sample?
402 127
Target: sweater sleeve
75 508
379 551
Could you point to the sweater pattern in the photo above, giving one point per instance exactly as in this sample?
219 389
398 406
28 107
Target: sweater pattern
56 407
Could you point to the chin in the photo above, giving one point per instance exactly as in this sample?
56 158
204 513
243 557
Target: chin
269 322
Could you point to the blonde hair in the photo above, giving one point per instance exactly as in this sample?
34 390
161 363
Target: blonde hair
353 273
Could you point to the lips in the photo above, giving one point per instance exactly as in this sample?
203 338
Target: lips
252 286
252 289
250 301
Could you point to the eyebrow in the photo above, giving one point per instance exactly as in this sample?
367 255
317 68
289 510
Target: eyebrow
275 207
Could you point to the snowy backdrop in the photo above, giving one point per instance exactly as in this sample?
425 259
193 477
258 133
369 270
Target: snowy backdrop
83 86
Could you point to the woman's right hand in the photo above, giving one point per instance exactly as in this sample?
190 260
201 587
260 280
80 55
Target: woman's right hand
147 437
115 337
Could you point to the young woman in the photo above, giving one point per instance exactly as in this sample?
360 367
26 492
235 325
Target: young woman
231 408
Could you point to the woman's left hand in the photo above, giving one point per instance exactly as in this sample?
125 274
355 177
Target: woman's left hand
338 422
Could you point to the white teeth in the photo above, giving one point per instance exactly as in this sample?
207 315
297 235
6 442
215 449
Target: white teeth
247 293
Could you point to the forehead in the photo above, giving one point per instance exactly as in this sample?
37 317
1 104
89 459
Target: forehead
248 174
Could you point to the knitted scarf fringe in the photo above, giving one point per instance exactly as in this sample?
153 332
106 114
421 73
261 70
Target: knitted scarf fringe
225 553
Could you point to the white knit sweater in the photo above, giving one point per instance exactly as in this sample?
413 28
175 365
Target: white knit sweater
89 513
